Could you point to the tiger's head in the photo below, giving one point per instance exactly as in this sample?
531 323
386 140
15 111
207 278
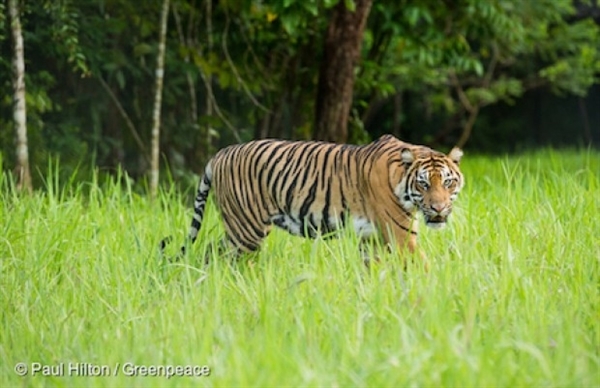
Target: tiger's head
431 183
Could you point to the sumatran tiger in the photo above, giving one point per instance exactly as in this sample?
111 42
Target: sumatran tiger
310 188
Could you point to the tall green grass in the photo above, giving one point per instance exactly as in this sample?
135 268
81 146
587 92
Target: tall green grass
511 298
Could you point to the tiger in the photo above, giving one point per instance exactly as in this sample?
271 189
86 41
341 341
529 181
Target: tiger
312 188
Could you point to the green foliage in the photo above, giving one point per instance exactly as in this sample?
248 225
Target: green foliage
497 50
3 18
65 31
511 298
575 51
90 63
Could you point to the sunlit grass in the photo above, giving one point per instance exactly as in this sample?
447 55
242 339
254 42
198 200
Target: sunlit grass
511 298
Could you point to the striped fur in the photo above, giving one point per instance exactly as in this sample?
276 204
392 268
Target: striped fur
309 188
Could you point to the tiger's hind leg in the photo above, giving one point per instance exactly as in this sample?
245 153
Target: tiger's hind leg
222 248
226 249
241 238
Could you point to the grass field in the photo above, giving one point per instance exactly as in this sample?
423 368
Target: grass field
511 299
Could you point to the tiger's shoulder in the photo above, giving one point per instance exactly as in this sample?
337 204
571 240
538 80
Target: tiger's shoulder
392 143
390 146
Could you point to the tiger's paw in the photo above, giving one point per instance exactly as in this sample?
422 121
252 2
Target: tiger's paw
370 261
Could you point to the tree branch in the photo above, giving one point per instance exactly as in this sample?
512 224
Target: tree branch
211 96
234 69
487 78
473 109
125 116
462 96
188 75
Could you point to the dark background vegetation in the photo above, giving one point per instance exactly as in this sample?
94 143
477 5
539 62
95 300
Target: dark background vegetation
516 74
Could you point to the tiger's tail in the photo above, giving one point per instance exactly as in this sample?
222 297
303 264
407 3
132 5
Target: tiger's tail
199 205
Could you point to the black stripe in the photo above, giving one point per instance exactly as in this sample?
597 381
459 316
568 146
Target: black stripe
308 201
298 168
253 150
265 167
278 183
272 166
325 220
247 185
240 233
406 212
399 225
242 216
326 165
307 170
289 196
250 247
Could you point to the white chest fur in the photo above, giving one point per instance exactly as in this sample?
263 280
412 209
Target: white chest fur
363 227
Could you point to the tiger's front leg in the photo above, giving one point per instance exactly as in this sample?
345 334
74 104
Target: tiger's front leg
368 258
405 239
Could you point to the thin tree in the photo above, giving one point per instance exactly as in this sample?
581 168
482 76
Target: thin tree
160 70
19 108
341 53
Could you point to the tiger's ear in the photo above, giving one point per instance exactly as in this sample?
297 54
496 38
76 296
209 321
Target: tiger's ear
455 155
407 156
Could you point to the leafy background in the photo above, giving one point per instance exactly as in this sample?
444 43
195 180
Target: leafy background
519 73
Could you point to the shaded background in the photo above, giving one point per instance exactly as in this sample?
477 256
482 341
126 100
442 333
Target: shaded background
241 70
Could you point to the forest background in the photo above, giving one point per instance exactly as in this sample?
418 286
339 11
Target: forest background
491 76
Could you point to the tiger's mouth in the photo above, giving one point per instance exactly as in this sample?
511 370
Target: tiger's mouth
436 222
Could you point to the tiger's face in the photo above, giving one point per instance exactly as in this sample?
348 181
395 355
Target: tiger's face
430 184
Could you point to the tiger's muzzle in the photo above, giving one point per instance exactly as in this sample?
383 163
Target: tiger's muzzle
436 216
436 222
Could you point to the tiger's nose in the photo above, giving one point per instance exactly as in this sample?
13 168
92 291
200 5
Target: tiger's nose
438 207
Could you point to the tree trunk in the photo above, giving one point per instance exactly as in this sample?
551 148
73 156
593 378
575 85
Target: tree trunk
468 128
160 70
341 53
19 108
